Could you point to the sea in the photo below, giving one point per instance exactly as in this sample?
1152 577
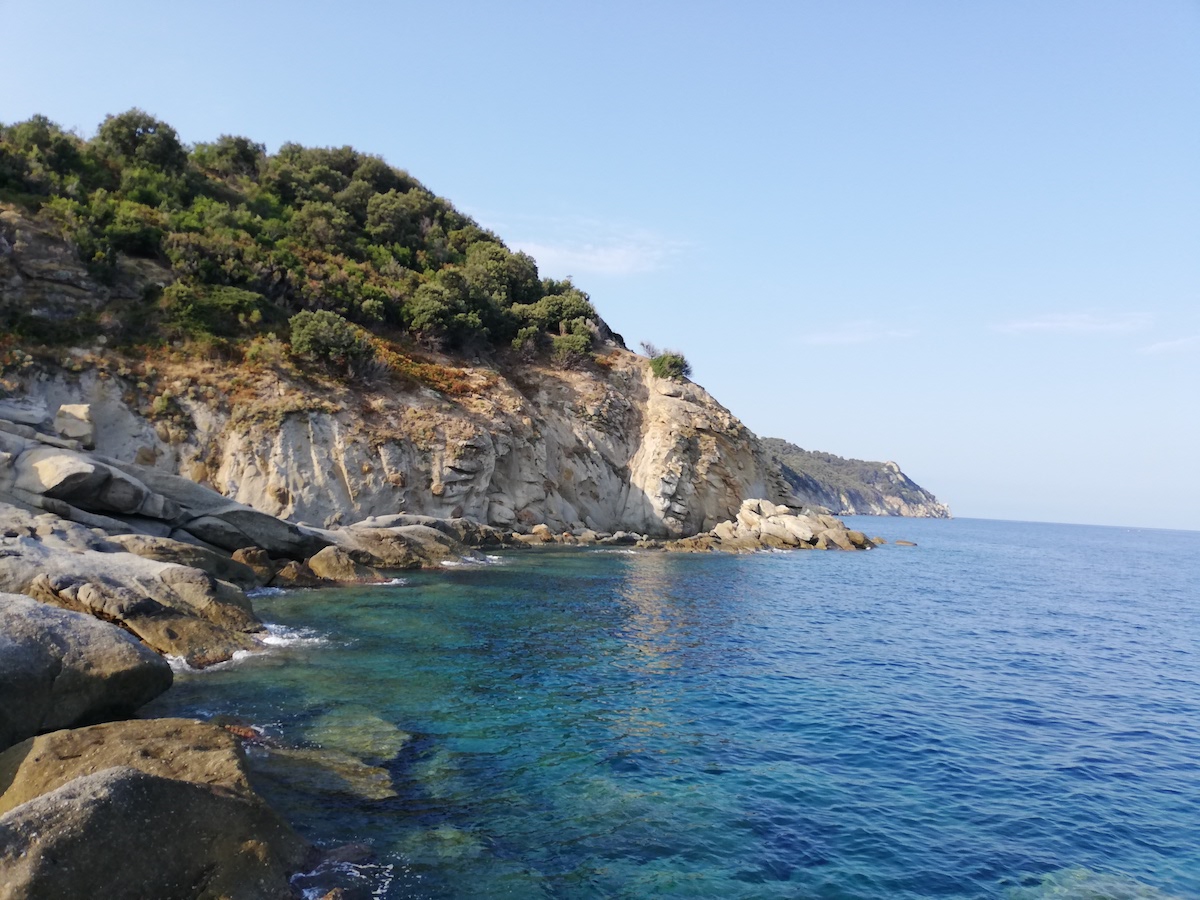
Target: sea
1005 710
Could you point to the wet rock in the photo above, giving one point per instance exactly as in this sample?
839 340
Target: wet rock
358 731
321 771
294 574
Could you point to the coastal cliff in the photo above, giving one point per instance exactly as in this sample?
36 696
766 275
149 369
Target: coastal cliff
851 487
601 444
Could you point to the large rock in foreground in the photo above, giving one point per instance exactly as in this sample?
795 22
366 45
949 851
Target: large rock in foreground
124 833
157 808
60 668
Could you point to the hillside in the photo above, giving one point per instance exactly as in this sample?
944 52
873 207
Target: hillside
850 487
317 335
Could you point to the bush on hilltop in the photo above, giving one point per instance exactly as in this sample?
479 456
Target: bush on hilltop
328 236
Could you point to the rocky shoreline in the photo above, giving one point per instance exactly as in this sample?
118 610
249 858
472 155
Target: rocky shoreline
108 569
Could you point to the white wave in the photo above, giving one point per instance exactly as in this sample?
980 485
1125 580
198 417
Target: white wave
179 664
395 582
378 875
286 636
488 560
264 592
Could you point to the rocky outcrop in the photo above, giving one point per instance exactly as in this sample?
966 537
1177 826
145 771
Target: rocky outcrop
176 610
60 668
158 808
851 487
763 525
606 449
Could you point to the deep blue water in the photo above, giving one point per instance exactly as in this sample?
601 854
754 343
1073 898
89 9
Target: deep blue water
1007 710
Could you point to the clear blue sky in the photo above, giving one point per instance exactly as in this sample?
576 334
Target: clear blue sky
961 235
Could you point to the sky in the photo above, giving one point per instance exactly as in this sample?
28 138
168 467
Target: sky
961 236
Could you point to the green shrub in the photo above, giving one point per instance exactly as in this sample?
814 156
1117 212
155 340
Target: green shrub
569 350
327 336
670 364
219 311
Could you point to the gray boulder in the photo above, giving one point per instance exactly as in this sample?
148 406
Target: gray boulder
124 833
60 668
169 551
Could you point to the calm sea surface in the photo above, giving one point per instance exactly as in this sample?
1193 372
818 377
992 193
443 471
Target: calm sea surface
1008 710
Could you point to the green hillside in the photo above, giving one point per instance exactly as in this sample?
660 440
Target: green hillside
329 248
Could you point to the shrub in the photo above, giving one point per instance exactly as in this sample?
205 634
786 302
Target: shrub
569 350
217 311
327 336
670 364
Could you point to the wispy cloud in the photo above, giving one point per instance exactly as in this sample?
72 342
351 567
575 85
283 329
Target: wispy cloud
866 332
1178 345
1077 323
630 255
577 245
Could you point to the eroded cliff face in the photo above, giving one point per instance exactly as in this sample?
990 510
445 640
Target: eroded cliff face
610 449
606 447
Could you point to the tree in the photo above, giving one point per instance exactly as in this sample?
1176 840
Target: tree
322 225
230 155
137 137
396 218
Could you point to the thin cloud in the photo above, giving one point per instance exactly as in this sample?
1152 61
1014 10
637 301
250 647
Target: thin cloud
577 245
1077 323
628 256
1178 345
857 333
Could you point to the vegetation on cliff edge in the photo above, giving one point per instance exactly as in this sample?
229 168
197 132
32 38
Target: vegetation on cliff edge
335 242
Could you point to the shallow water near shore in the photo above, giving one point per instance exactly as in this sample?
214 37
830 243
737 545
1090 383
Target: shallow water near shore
1008 710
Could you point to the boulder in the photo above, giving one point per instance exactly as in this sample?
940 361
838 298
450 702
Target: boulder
131 834
197 641
838 538
183 749
80 481
60 668
799 527
74 421
258 561
234 526
169 551
335 564
401 547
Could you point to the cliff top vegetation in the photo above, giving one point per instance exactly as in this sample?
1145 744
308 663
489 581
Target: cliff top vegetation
328 246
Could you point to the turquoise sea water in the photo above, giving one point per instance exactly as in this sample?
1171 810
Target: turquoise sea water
1008 710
